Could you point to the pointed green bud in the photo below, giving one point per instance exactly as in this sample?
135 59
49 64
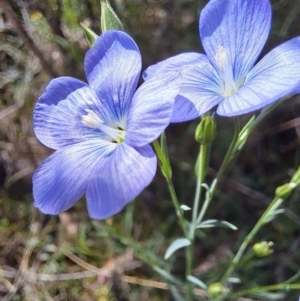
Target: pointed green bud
244 134
206 131
285 190
263 249
90 35
109 19
217 289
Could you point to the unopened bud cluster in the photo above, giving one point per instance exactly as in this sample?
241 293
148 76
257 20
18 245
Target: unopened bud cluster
217 289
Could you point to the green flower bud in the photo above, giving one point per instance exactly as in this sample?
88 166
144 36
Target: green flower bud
217 289
284 190
89 35
263 249
109 19
206 130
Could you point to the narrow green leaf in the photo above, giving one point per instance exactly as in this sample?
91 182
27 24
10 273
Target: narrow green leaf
270 296
185 208
273 212
175 245
211 223
165 274
176 295
197 282
234 280
90 35
273 215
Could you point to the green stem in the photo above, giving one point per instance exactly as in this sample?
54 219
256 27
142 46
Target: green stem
201 171
162 158
229 156
167 174
248 239
177 206
274 287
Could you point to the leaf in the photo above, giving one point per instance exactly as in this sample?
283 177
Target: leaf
273 212
90 35
165 274
197 281
273 215
211 223
176 295
234 280
175 245
185 208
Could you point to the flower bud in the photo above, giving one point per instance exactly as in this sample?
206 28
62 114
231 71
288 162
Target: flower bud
263 249
284 190
206 130
109 19
216 289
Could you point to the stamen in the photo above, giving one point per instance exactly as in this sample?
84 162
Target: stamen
225 66
92 120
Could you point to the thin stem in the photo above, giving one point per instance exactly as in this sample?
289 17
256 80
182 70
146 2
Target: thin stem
229 156
177 206
201 171
248 239
274 287
162 158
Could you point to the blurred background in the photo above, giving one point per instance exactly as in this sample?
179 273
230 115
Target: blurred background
70 256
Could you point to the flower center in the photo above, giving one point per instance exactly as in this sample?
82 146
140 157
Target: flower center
223 61
92 120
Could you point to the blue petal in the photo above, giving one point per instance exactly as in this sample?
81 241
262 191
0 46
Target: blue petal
113 68
241 27
176 63
184 109
275 76
61 180
119 180
58 113
151 109
200 85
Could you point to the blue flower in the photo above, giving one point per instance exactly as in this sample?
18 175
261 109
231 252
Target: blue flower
233 33
101 131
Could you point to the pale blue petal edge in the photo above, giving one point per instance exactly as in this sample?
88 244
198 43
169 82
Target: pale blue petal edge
62 179
58 112
175 63
119 180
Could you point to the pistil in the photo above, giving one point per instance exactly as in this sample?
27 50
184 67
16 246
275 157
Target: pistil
92 120
225 66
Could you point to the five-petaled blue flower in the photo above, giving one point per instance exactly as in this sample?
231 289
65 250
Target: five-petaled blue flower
233 33
101 131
